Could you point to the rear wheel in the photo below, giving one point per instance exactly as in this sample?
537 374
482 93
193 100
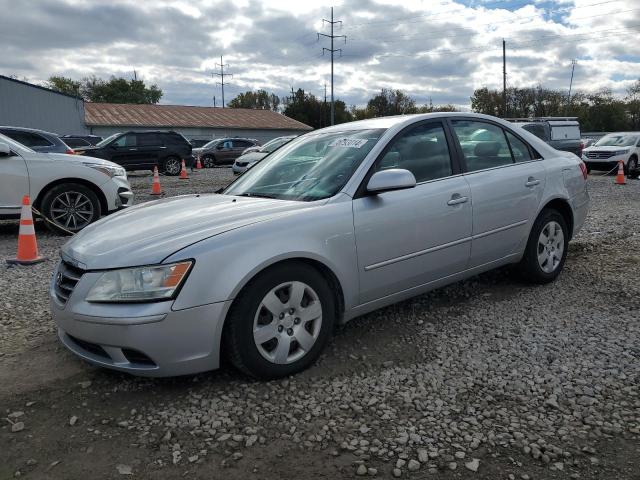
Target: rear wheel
208 161
70 207
546 249
171 166
281 321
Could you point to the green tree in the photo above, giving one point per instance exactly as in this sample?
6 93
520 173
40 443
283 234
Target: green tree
115 90
633 105
391 102
306 108
259 99
63 85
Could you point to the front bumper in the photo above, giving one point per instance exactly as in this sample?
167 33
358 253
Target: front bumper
604 164
148 339
118 193
237 169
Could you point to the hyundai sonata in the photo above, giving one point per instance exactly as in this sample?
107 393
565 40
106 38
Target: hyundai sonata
335 224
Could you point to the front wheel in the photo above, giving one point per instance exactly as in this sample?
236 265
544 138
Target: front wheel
208 161
546 249
632 168
70 207
281 321
172 166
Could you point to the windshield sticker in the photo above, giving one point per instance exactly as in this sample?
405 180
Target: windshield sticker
348 142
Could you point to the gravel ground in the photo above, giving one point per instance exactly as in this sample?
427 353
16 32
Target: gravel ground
487 378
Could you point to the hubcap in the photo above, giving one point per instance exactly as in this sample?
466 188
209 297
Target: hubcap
550 247
172 166
287 323
72 210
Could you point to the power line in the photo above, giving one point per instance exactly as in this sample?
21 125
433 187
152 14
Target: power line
332 50
222 83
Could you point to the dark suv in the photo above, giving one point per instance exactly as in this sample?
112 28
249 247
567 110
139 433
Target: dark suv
144 150
38 140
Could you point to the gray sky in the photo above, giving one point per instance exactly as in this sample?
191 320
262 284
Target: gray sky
438 49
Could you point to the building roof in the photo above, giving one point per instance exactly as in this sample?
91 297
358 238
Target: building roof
22 82
135 115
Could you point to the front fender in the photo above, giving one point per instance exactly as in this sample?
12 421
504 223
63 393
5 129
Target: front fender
224 264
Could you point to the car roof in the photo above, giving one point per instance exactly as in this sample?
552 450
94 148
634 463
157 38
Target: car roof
30 130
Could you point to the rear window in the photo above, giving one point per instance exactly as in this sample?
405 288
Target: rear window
27 138
565 132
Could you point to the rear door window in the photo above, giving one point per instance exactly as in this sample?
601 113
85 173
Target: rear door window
537 130
148 140
519 149
484 145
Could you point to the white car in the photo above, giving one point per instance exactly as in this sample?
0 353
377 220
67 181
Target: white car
253 155
610 149
69 190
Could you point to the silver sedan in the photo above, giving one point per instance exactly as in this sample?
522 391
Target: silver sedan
335 224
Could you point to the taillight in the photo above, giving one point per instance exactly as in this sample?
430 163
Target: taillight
583 167
581 148
70 152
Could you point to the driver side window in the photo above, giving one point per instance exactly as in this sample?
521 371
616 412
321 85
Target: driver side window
422 150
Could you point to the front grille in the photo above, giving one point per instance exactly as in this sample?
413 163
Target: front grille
599 155
66 280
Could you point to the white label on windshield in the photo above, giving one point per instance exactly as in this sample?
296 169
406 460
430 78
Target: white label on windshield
348 142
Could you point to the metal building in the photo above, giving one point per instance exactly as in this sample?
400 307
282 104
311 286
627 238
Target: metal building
202 123
24 104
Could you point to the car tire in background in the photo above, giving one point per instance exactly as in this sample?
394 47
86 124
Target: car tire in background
171 166
69 207
209 161
632 167
546 248
291 333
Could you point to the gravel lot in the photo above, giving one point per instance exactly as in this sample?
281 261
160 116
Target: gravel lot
487 378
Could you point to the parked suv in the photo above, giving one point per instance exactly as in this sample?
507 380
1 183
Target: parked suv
70 191
81 140
37 140
562 133
223 151
610 149
144 150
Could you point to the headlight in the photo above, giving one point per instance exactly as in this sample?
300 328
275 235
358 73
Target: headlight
109 170
621 152
140 284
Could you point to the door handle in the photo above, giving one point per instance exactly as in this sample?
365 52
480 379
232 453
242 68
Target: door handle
133 149
457 200
532 182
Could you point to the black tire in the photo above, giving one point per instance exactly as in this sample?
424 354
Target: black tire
83 215
209 161
238 341
169 166
632 167
529 267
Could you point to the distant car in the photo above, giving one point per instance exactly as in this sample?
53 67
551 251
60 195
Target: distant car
70 191
37 140
89 139
197 143
144 150
223 151
77 142
610 149
560 133
253 155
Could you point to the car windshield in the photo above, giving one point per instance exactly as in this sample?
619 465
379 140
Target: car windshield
107 140
210 144
311 167
15 145
274 144
617 140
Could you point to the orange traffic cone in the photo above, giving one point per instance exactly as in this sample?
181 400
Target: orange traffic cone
183 172
198 164
620 176
27 245
156 190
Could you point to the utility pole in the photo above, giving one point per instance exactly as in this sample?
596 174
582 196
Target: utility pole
222 83
504 78
573 66
332 51
324 104
214 101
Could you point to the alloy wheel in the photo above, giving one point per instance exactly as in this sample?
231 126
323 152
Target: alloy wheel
550 247
172 166
72 210
287 322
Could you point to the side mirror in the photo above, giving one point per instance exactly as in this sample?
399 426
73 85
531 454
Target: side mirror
392 179
5 151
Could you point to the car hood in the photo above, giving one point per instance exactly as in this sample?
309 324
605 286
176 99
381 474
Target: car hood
64 157
148 233
252 156
605 148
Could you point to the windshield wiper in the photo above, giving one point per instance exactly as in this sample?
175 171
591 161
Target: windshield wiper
256 195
